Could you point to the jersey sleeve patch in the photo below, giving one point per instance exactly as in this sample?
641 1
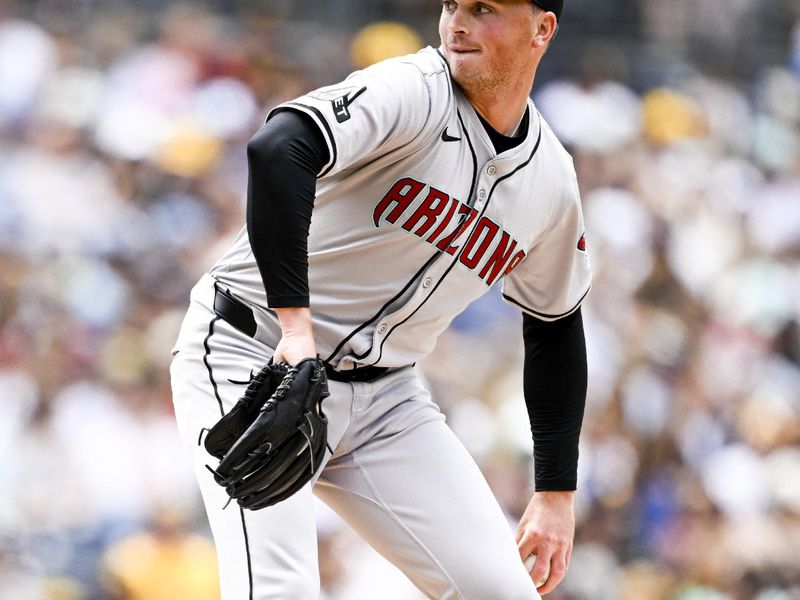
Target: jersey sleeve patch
340 99
371 113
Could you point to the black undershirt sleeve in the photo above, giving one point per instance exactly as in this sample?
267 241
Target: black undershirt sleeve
554 382
283 159
554 378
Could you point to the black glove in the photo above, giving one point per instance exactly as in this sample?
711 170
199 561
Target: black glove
273 441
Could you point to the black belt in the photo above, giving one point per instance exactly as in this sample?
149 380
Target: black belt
240 316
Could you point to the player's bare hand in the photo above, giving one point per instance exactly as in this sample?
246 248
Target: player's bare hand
297 339
547 529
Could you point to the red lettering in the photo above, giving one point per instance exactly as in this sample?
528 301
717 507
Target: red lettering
484 225
514 262
498 258
453 204
431 207
447 243
438 212
402 194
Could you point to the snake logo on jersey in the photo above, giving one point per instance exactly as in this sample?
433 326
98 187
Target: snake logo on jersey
443 221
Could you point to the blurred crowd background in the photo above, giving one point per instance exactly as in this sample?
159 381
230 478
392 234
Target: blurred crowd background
122 178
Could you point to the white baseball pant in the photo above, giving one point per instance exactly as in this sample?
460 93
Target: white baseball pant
398 476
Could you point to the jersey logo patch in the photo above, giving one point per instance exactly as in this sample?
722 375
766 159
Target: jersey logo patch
449 138
582 244
340 97
341 105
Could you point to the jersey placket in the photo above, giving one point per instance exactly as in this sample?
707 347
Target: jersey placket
435 274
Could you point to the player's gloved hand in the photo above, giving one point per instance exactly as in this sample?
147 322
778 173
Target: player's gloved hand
547 530
230 427
283 444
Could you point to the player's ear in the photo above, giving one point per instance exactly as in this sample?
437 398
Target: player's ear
545 26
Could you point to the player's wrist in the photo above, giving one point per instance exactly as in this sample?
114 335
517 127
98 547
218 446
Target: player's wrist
555 496
297 338
294 321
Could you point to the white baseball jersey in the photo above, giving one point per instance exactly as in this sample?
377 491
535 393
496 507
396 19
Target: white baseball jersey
416 216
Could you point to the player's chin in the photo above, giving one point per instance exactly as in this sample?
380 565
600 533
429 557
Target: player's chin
466 67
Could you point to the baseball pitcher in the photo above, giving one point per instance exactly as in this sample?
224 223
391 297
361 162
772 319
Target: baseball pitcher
378 209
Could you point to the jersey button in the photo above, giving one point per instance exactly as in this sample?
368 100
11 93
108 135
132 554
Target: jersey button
426 283
491 170
382 328
482 194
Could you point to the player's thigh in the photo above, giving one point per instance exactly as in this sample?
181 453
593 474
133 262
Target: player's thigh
417 496
263 554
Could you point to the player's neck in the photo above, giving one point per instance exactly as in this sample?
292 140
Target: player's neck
502 119
502 107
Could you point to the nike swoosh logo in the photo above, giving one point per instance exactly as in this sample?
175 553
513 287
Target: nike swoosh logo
449 138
